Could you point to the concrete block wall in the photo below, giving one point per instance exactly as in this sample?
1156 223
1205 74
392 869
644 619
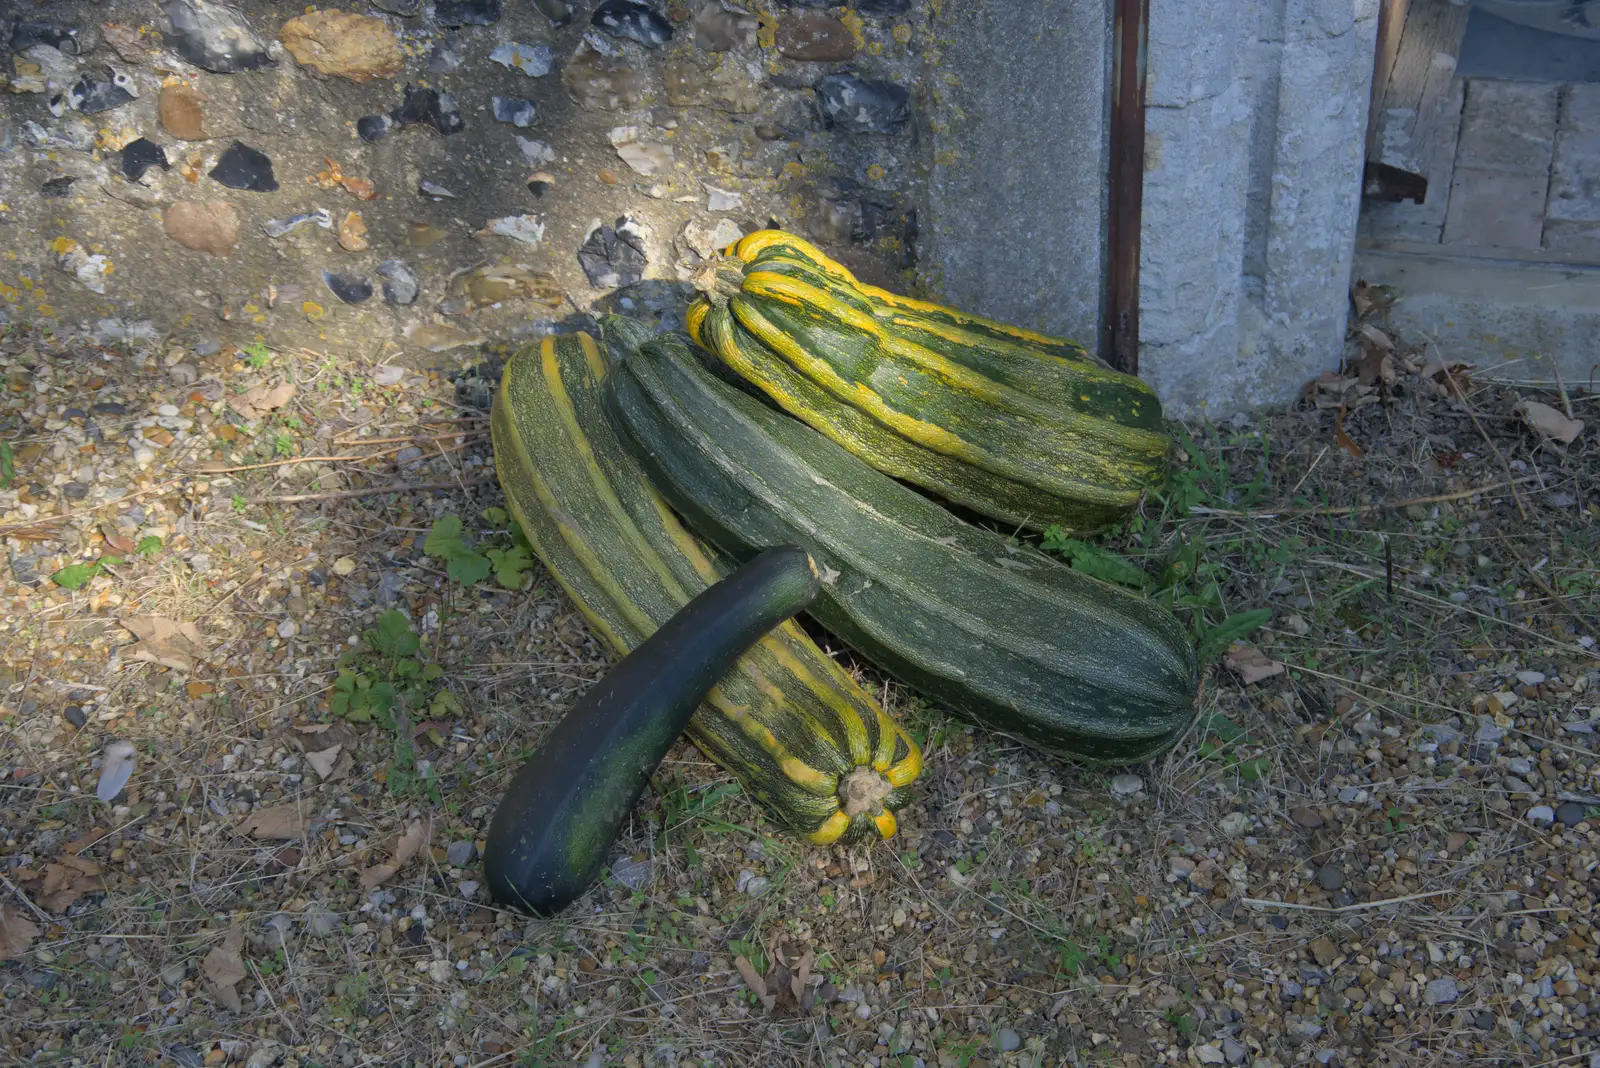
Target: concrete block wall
1255 124
1256 118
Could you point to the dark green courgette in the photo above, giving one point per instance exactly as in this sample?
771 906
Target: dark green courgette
563 810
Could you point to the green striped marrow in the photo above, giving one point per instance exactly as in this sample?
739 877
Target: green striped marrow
1011 638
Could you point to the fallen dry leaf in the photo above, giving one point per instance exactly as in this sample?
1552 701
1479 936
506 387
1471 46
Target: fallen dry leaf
280 822
1206 874
34 534
176 644
1333 390
63 899
407 847
224 968
377 875
67 881
1366 297
1447 380
257 401
754 981
81 865
1346 442
114 539
1361 297
1376 365
1251 664
802 975
17 933
95 836
1376 337
323 761
1547 422
410 843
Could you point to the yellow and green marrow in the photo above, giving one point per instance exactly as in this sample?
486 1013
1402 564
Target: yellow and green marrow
1009 423
800 734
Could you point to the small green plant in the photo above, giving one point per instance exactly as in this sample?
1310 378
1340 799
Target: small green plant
1094 561
372 680
510 562
148 546
352 993
1071 957
462 563
240 505
1221 740
77 576
384 682
544 1044
752 952
1189 583
513 564
961 1052
1216 640
8 465
257 355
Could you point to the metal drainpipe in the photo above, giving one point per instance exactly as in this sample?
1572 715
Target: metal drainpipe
1129 43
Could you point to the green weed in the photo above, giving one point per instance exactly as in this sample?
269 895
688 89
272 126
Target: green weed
372 680
1221 740
77 576
511 561
257 355
462 563
1191 574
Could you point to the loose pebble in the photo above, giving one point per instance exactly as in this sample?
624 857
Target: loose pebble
1126 785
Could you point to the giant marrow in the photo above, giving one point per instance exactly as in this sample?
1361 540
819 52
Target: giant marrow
1008 636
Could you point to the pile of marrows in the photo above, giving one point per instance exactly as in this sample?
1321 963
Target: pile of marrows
812 446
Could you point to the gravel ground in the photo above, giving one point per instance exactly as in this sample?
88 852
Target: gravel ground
1379 846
